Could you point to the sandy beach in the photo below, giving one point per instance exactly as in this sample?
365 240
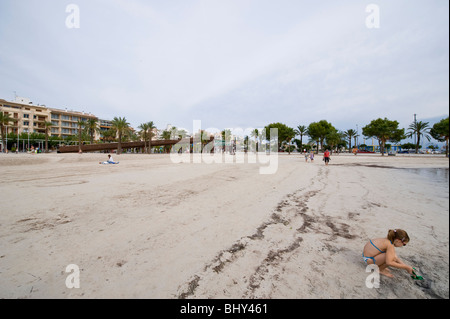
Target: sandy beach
152 228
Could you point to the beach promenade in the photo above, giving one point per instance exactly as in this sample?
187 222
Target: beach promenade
152 228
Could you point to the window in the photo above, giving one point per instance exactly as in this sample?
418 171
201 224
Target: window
26 116
26 123
55 116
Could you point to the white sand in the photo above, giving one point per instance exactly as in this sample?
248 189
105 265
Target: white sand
149 228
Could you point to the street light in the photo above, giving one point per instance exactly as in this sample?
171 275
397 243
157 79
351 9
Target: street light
357 140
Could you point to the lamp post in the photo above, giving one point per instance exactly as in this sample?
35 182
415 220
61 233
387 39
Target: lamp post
357 140
414 129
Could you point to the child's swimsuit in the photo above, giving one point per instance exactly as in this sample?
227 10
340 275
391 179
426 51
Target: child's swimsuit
373 258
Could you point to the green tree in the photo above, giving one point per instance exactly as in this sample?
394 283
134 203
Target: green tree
91 127
285 133
290 134
383 130
167 135
81 125
226 137
350 134
408 146
255 133
301 130
151 134
144 133
47 126
121 126
440 132
418 129
5 119
318 131
335 139
109 135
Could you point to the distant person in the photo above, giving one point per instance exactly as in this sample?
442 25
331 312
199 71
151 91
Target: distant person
306 157
311 156
355 150
326 157
109 161
381 251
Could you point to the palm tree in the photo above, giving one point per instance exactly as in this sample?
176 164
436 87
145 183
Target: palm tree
121 126
151 128
226 134
92 127
5 119
47 125
81 125
109 135
167 135
144 131
334 139
302 131
255 133
349 134
290 134
419 128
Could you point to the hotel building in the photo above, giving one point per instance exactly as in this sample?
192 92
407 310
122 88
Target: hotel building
31 118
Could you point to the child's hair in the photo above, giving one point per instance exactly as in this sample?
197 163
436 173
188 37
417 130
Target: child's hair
398 234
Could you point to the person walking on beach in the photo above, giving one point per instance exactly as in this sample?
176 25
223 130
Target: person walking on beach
381 251
326 157
306 157
311 156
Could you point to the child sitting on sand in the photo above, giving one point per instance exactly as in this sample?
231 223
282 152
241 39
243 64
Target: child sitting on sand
109 161
381 251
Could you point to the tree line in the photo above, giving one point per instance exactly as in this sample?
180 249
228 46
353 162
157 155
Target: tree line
322 134
325 135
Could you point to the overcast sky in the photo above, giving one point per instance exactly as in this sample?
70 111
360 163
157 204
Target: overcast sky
230 63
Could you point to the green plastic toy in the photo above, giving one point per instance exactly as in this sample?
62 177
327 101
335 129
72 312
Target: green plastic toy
415 276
